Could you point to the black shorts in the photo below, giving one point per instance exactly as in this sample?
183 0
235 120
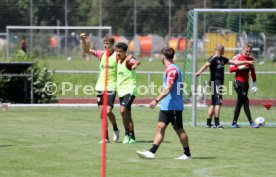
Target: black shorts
173 117
241 88
127 101
216 95
110 98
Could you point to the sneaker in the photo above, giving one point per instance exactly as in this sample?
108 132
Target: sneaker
116 136
132 141
101 142
235 125
253 125
209 126
145 154
126 139
184 157
218 126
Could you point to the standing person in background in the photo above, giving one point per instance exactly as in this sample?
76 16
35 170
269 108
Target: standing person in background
22 44
241 84
171 107
110 55
127 90
216 64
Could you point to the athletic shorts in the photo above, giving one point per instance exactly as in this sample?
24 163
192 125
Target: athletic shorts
241 88
173 117
127 101
110 98
216 95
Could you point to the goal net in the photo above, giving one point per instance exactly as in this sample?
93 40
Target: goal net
63 41
232 28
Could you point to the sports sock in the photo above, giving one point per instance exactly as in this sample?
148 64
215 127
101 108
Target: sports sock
209 121
216 121
115 128
107 135
126 132
187 151
132 135
154 148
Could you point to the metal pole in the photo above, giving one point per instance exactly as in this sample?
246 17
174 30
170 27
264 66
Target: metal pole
100 17
66 30
170 20
134 18
240 6
8 43
58 37
194 89
204 29
31 24
32 83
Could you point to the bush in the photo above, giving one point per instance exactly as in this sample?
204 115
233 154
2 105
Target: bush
12 89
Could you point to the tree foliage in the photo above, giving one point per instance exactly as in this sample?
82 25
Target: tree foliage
152 16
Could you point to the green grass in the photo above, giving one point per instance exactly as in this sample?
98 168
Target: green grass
58 142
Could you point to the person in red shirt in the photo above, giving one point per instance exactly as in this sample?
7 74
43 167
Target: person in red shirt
241 84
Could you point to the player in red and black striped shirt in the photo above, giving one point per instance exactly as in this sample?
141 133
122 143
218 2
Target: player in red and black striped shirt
241 84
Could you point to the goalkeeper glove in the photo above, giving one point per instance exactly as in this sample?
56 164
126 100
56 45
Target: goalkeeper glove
254 87
242 67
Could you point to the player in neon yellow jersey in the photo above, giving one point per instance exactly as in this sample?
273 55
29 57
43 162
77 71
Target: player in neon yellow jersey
127 90
110 55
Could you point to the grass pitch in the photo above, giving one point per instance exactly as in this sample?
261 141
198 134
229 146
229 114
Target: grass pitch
59 142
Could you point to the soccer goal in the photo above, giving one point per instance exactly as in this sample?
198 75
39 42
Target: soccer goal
63 41
232 28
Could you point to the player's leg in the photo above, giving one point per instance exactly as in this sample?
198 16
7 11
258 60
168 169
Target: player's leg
210 115
177 123
125 120
246 107
110 102
211 108
129 102
217 103
125 109
100 103
162 124
239 103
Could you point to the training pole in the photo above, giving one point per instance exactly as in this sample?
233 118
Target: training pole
104 122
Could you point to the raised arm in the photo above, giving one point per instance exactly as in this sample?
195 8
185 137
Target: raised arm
86 49
84 43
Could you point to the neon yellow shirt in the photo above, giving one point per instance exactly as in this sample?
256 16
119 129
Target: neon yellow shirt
111 73
126 80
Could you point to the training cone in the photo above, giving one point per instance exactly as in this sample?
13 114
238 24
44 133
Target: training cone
267 106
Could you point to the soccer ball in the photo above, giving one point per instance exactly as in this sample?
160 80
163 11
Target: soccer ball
260 121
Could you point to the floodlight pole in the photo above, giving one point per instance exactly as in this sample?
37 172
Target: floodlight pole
100 17
66 30
170 20
135 18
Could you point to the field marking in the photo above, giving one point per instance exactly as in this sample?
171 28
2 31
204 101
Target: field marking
208 172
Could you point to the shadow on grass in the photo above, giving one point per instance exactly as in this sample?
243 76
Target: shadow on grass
6 145
202 158
150 141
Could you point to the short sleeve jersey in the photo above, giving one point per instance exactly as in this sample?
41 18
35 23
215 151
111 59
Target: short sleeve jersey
217 68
